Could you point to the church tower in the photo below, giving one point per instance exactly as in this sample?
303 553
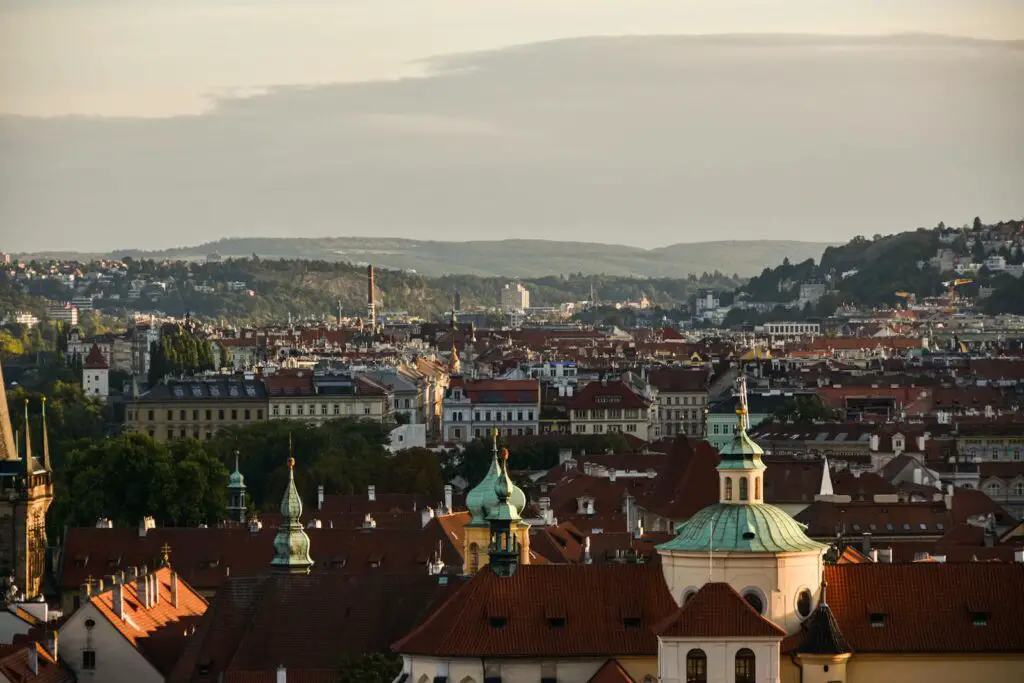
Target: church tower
481 501
291 546
26 491
236 495
504 520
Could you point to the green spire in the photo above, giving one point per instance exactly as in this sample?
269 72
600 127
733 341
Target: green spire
504 519
291 546
742 453
482 497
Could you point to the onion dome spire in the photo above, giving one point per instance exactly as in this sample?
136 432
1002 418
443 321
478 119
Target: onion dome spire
291 546
504 518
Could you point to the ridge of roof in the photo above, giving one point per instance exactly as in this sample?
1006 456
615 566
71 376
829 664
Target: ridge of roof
717 611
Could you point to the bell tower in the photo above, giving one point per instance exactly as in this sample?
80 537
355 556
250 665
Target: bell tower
26 491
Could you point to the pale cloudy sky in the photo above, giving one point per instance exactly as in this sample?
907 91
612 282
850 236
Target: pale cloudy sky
501 151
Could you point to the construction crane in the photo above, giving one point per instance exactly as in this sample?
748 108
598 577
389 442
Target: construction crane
953 284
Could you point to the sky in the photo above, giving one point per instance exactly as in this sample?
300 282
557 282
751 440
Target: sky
129 124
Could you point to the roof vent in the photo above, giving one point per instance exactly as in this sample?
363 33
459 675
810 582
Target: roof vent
748 535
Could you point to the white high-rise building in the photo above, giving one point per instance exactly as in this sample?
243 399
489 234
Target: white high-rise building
515 297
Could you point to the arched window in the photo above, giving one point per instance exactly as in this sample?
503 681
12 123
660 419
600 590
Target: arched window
743 488
696 666
474 558
757 488
728 488
745 666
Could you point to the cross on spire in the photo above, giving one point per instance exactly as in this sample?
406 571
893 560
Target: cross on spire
165 555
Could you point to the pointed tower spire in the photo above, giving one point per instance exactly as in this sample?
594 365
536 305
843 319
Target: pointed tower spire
46 440
504 519
8 445
291 546
741 469
236 494
826 483
28 442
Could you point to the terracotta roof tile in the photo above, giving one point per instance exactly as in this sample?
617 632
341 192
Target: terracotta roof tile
14 665
717 611
929 607
609 611
307 623
157 631
611 672
595 394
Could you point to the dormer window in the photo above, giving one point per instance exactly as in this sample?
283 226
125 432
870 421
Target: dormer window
878 619
631 622
496 621
979 618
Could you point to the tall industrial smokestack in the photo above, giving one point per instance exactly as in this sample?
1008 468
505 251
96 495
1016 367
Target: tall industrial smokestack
371 307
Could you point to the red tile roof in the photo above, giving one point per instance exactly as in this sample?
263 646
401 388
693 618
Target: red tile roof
549 611
156 631
679 380
717 611
14 665
95 360
307 623
929 607
614 394
611 672
526 391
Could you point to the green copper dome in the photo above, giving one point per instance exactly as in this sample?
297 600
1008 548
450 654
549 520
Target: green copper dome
482 497
503 510
236 480
745 528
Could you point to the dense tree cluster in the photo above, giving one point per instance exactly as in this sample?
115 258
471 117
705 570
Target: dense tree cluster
180 353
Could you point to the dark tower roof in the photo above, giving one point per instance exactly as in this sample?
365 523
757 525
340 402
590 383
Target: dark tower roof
821 634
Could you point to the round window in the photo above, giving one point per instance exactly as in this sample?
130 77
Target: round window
803 603
755 600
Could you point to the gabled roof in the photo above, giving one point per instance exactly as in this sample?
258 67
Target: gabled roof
611 672
14 665
928 607
157 631
307 623
717 611
549 610
95 360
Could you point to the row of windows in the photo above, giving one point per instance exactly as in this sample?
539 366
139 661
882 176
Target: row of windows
207 414
498 416
300 409
681 415
683 400
996 489
456 432
743 488
602 414
610 429
995 452
697 666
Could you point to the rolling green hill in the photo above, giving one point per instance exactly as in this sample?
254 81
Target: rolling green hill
506 258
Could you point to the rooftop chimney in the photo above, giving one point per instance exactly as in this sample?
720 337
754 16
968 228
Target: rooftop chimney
282 673
320 497
448 498
371 492
426 514
369 522
33 659
1018 555
885 555
586 551
145 524
142 588
117 596
174 588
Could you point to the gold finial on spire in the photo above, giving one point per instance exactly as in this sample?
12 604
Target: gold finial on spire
165 554
741 411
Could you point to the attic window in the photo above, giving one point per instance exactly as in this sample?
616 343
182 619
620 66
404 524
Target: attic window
906 527
631 622
940 526
877 619
497 622
205 667
556 622
979 618
890 527
924 527
856 527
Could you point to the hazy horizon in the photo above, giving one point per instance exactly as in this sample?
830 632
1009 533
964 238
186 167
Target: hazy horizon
170 124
